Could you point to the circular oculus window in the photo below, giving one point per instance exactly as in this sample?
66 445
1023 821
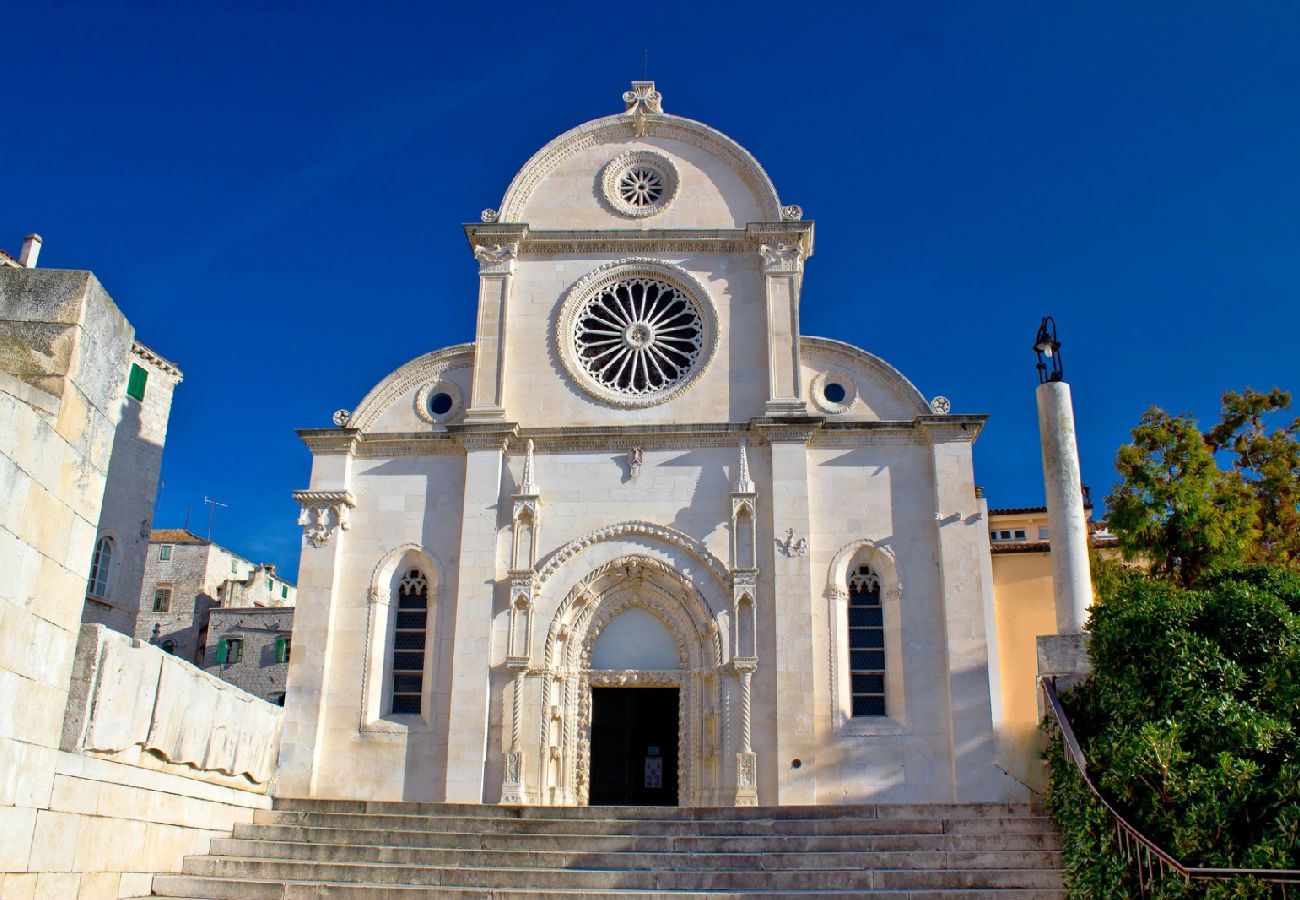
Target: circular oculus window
637 335
833 392
438 402
639 183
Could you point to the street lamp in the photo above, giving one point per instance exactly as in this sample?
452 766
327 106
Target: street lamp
1048 349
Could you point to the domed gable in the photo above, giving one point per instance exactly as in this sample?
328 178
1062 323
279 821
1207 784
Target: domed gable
426 393
843 381
641 169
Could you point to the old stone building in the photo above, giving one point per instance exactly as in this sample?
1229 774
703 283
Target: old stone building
186 577
643 540
118 562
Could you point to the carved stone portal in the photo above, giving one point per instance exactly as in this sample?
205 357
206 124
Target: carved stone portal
564 732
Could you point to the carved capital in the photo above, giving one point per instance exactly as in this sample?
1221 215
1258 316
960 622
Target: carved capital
323 513
744 578
496 259
781 259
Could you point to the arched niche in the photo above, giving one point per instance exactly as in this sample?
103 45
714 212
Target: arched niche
635 639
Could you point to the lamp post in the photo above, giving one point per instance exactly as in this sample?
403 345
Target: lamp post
1066 521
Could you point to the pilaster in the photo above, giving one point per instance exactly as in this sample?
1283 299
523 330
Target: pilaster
794 673
467 724
324 518
783 251
496 247
959 530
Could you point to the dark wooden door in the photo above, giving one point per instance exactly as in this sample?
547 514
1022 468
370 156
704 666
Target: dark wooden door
634 747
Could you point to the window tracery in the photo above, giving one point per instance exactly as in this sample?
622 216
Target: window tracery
866 643
409 642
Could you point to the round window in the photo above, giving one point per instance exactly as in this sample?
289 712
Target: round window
441 403
438 402
639 183
834 392
636 333
639 336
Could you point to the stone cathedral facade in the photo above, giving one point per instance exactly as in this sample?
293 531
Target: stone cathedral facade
643 541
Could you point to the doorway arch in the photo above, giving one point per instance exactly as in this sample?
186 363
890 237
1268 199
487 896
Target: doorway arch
569 673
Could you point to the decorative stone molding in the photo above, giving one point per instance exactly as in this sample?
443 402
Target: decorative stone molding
496 259
853 359
941 406
425 395
817 392
590 285
641 582
791 213
781 259
489 216
664 533
881 560
639 183
380 622
621 126
340 417
426 369
791 547
323 513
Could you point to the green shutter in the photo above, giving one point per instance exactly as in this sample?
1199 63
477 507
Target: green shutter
281 649
135 384
284 591
221 650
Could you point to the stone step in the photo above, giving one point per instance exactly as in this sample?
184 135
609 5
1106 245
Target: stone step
466 839
184 887
823 825
606 879
588 859
607 813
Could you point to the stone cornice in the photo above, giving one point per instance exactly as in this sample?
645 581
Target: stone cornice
950 429
323 498
787 429
484 436
631 241
329 440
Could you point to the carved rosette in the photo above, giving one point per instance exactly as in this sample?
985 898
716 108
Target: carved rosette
323 513
496 259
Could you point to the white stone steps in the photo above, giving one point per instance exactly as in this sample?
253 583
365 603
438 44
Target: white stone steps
823 825
606 879
673 813
654 861
188 888
471 840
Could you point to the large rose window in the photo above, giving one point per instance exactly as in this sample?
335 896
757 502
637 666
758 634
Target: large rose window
634 337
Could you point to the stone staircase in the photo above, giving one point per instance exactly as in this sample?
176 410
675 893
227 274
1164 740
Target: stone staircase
352 849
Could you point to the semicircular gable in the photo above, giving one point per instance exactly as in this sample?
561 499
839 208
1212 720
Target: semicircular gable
873 389
453 364
722 184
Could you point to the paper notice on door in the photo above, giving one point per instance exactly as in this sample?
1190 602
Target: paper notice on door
654 772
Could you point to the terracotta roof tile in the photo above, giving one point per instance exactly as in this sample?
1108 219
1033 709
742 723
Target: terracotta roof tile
175 536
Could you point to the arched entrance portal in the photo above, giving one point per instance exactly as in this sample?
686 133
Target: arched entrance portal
631 654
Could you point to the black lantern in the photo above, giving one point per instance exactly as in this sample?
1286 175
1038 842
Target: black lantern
1048 349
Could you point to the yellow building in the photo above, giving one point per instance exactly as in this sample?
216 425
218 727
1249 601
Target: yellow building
1020 545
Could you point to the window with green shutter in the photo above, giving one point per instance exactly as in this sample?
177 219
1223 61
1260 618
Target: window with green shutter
282 649
222 651
230 650
284 591
135 384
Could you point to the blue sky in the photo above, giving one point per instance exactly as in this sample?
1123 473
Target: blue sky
250 180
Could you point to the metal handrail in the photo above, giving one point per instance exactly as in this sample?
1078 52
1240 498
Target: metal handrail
1151 861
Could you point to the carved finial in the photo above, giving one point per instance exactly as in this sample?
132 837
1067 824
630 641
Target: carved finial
642 101
489 215
529 486
940 406
341 417
791 213
744 484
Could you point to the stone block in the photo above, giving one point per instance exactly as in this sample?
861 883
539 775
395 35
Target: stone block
57 886
136 884
75 795
55 845
100 885
18 825
18 886
26 773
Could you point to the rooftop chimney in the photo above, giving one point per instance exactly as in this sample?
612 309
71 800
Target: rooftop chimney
31 250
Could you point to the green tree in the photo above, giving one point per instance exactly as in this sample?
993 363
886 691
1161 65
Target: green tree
1173 506
1269 464
1191 727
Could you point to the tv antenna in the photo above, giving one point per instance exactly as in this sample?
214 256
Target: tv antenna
212 512
645 66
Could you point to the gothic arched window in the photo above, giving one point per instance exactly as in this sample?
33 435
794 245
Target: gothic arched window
100 566
408 643
866 643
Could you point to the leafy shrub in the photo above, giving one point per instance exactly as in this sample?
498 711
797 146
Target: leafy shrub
1191 727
